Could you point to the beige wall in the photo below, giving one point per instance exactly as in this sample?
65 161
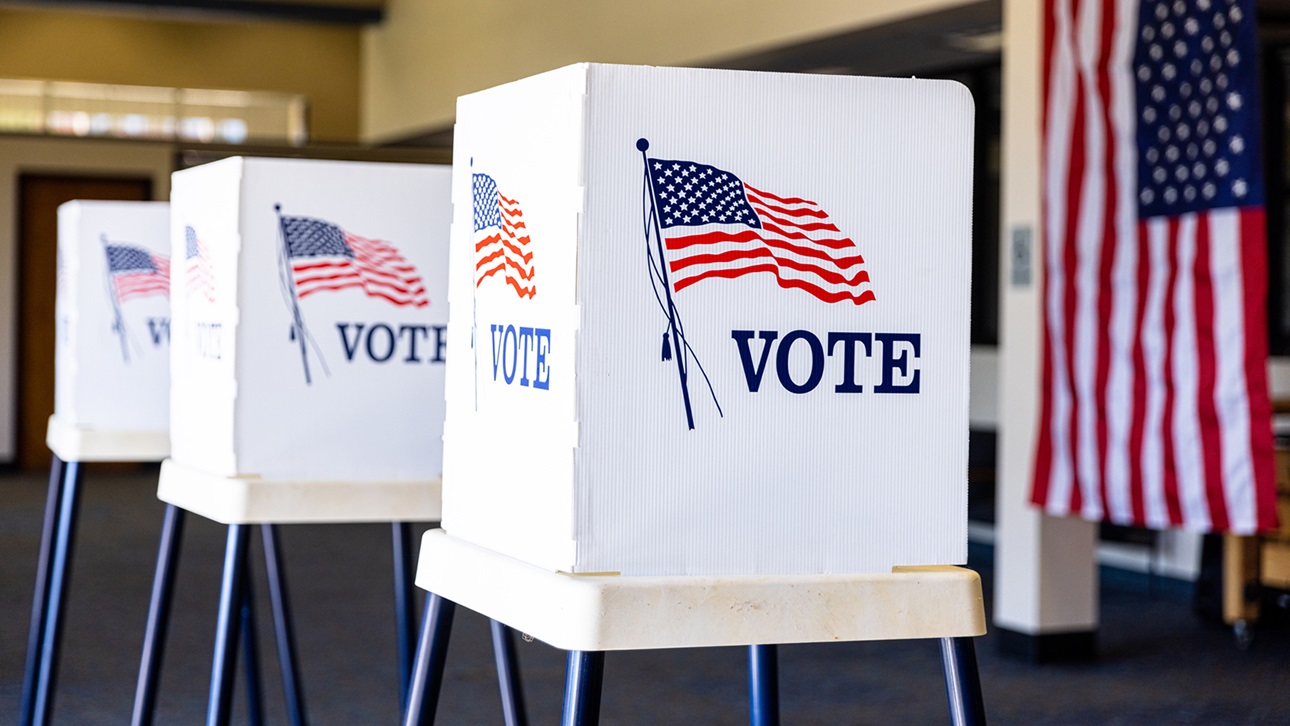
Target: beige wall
428 52
319 61
20 155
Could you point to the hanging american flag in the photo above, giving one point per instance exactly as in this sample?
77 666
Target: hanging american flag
200 277
501 240
135 272
1155 406
717 226
325 257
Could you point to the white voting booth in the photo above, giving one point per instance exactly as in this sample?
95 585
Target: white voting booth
710 322
111 371
309 338
709 382
112 339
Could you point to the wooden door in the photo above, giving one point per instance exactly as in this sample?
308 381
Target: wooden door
38 200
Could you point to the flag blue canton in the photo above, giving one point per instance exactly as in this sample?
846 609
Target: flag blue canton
691 194
1197 134
308 237
126 258
487 213
191 247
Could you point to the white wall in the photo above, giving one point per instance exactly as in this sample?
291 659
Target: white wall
19 155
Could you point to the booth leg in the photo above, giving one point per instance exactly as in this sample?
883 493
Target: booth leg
40 598
427 671
962 682
251 654
154 637
226 626
583 678
292 688
59 573
404 603
508 675
763 685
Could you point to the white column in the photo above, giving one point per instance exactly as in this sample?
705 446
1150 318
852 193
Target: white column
1045 572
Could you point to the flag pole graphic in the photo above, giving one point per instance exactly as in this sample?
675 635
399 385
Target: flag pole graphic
643 146
118 322
289 286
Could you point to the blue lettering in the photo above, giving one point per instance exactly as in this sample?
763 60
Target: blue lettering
817 362
849 340
526 334
440 343
892 362
412 331
509 370
542 372
350 348
492 333
753 373
159 328
208 341
389 342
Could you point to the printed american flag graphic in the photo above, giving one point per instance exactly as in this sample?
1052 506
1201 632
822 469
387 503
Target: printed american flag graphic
326 257
1155 406
715 225
135 272
200 277
501 238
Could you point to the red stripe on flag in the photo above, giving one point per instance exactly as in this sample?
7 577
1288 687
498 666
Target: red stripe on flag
1139 407
1253 250
1106 269
1043 467
1167 434
1070 292
1207 372
746 236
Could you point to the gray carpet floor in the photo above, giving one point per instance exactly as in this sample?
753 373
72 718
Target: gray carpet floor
1158 663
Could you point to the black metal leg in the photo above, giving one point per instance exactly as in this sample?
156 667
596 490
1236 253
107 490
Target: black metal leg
226 627
59 574
962 682
291 687
508 675
40 599
427 670
251 654
763 685
154 637
583 677
404 603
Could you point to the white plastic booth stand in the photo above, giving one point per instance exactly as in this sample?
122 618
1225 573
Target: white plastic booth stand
710 371
111 366
308 358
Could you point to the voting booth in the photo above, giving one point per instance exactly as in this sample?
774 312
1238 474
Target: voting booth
709 382
310 337
710 322
310 312
112 339
111 379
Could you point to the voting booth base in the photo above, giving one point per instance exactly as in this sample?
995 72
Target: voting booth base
72 446
242 502
588 615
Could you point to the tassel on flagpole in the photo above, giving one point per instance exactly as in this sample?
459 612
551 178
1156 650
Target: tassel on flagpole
667 347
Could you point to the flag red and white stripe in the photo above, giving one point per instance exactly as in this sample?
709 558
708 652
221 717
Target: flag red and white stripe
375 266
142 283
715 226
502 243
1155 407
